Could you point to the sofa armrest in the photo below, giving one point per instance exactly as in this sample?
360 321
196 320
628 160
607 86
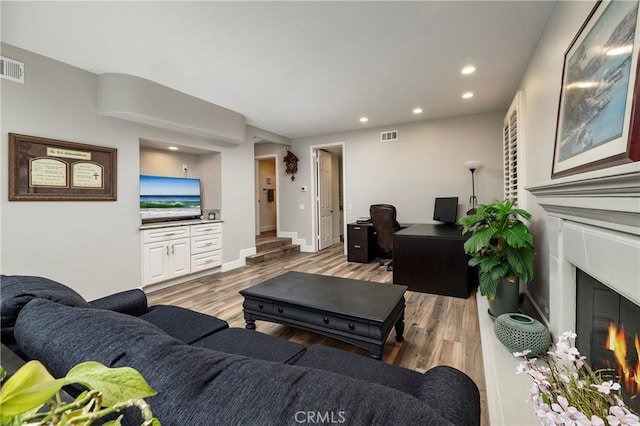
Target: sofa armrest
131 302
453 394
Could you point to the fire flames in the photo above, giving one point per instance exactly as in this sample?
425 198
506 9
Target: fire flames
617 343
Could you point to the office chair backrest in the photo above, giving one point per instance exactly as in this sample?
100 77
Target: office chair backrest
383 218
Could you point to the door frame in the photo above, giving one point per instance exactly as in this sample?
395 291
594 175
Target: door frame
257 190
314 185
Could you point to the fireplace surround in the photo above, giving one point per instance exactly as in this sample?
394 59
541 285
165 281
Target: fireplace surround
588 222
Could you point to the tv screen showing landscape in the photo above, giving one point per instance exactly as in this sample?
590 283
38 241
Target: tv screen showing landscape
168 198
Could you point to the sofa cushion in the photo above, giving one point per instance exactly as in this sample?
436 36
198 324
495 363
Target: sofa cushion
198 386
363 368
253 344
184 324
17 290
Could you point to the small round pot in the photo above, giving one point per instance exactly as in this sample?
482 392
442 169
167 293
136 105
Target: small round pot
519 332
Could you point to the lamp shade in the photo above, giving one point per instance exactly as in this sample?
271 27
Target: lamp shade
473 164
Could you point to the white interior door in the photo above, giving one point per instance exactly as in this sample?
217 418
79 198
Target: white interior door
325 204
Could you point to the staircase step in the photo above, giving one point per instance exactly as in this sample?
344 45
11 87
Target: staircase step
271 254
273 243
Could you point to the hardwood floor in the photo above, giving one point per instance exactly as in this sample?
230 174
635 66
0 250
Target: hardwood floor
439 330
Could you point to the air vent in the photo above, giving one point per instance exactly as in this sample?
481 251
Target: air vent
389 136
11 69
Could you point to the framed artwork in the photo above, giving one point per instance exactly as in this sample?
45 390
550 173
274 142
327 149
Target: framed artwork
43 169
598 124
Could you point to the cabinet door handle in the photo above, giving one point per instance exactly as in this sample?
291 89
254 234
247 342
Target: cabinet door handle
260 305
167 250
169 234
208 244
325 320
357 228
351 326
280 310
173 249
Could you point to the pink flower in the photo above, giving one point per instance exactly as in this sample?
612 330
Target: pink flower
622 417
607 387
597 421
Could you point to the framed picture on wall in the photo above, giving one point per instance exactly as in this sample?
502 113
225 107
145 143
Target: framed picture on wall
42 169
598 124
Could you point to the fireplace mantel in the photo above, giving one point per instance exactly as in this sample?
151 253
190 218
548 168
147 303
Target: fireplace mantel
610 201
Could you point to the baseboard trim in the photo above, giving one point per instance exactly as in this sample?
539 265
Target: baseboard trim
295 240
238 263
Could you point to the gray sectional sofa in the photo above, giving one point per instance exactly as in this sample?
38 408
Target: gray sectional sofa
207 373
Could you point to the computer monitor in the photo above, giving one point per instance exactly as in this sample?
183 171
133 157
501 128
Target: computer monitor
446 210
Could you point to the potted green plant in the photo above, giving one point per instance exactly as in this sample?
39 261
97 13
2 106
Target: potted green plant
33 396
501 246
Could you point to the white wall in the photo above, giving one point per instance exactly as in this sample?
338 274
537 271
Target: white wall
426 162
541 84
94 247
155 162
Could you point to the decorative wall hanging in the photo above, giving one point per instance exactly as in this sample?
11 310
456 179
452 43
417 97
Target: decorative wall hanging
598 124
43 169
291 164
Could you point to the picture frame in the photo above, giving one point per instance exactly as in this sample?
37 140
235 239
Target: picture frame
598 124
42 169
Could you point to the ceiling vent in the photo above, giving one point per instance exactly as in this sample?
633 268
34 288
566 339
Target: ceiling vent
389 136
11 69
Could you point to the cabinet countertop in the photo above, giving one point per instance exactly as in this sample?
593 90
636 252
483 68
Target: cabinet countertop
177 223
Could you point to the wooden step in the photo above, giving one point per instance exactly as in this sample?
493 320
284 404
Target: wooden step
272 243
274 253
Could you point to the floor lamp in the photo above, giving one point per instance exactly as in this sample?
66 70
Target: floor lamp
473 165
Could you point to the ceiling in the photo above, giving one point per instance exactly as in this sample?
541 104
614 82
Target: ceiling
298 68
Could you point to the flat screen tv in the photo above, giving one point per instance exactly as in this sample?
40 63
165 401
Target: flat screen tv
446 210
164 199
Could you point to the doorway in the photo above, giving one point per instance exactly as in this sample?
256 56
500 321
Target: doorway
328 189
266 194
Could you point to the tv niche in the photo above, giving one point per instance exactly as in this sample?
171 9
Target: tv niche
446 210
164 199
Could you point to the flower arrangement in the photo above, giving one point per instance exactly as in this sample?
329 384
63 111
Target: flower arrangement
566 391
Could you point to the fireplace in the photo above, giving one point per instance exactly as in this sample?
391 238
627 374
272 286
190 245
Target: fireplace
608 329
585 224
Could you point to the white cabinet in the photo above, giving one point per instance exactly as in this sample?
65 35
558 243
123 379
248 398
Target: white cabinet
174 251
206 246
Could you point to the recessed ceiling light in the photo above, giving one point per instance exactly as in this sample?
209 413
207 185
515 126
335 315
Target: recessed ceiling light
468 69
467 95
417 110
363 119
173 148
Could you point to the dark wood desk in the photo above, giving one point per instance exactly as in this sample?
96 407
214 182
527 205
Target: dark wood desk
431 259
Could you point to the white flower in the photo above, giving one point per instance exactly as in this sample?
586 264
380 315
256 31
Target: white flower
607 387
522 354
568 335
622 417
597 421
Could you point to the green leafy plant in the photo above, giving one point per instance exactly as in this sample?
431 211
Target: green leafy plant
32 395
501 245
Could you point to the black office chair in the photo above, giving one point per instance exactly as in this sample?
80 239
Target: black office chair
383 218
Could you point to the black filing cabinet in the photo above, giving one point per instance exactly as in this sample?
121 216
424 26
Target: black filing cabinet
362 243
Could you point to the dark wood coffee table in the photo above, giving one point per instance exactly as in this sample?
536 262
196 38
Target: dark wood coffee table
358 312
